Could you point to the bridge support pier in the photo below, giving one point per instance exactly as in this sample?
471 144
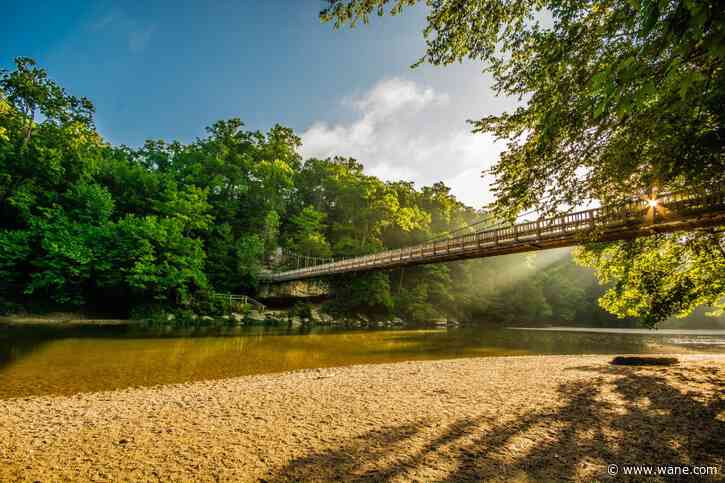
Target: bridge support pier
311 288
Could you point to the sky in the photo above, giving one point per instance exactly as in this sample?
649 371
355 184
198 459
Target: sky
165 70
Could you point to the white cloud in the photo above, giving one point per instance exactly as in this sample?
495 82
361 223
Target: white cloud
403 130
116 23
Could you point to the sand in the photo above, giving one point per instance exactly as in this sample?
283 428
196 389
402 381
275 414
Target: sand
500 418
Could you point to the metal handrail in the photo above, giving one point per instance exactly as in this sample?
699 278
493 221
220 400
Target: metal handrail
240 299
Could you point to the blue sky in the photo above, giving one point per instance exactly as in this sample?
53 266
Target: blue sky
168 69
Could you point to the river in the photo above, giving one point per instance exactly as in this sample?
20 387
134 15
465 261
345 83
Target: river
63 361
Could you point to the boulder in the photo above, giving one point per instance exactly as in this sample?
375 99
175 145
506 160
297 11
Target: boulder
254 315
274 315
326 318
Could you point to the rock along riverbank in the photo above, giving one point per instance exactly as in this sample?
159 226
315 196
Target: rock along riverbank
501 418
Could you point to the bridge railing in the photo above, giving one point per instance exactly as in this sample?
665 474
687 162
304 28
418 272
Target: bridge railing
634 211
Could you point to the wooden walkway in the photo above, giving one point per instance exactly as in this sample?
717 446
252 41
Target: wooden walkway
670 212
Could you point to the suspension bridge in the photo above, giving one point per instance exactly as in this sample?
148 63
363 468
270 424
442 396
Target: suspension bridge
641 217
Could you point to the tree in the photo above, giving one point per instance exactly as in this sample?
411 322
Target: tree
49 151
137 230
151 258
308 233
367 293
249 254
667 276
47 140
81 220
622 97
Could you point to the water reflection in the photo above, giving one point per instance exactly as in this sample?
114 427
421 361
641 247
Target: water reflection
46 360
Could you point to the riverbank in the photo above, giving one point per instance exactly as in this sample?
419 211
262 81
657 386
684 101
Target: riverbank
269 317
542 417
60 320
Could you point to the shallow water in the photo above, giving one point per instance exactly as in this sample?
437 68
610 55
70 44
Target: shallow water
47 360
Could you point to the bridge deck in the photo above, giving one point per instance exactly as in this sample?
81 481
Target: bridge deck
673 212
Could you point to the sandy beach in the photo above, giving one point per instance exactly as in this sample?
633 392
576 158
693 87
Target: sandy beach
499 418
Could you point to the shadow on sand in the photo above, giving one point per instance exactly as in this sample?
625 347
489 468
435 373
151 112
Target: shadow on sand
622 415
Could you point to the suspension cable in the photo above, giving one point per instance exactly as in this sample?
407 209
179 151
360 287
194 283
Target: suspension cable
486 218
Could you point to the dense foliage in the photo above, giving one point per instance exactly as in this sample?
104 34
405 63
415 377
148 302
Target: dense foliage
619 97
87 224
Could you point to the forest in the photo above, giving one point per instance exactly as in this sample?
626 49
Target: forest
85 225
